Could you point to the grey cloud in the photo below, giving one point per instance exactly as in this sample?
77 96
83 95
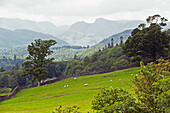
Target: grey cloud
88 7
82 8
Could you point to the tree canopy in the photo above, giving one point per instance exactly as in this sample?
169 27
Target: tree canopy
37 61
148 42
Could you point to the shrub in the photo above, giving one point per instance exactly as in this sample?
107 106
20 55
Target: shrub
111 100
152 87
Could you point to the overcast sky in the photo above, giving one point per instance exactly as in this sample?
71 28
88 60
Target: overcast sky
67 12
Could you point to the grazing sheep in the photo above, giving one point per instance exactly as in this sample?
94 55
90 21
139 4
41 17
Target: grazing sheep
64 85
67 85
131 74
85 84
110 80
75 78
119 80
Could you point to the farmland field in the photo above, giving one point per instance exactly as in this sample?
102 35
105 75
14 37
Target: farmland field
45 99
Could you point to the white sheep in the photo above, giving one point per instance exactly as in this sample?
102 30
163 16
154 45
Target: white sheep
85 84
75 78
119 80
67 85
64 85
110 80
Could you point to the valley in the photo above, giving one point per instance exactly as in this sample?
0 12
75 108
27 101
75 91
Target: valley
95 65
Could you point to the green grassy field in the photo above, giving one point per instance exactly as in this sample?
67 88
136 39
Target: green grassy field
45 99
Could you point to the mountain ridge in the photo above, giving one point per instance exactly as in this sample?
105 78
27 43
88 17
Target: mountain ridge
42 26
23 37
80 33
92 33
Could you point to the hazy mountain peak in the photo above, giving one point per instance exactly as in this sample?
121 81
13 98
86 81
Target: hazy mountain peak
82 33
79 26
100 20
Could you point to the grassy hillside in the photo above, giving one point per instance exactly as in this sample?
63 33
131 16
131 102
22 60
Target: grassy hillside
45 99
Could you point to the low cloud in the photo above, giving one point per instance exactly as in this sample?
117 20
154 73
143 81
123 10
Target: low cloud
69 11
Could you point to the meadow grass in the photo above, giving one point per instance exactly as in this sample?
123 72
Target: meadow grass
1 94
45 99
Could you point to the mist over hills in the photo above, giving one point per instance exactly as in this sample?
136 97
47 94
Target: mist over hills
80 33
23 37
43 27
91 33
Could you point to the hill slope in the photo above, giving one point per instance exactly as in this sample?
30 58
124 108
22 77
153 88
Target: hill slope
23 37
116 38
43 27
45 99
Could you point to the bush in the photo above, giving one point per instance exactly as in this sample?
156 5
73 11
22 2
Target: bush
152 87
111 100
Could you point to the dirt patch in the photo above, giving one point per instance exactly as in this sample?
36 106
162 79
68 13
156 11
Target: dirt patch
57 96
95 89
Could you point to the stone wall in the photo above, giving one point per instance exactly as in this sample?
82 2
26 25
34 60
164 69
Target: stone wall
5 97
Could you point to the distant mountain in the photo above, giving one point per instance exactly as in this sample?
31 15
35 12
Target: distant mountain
23 37
43 27
82 33
116 38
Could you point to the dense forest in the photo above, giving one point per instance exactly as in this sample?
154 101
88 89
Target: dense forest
8 63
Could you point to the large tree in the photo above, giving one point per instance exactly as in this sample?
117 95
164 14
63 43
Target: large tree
148 42
37 61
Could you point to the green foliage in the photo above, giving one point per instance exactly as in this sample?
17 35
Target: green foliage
147 42
105 59
68 53
110 100
37 61
11 78
73 109
8 63
5 90
152 87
